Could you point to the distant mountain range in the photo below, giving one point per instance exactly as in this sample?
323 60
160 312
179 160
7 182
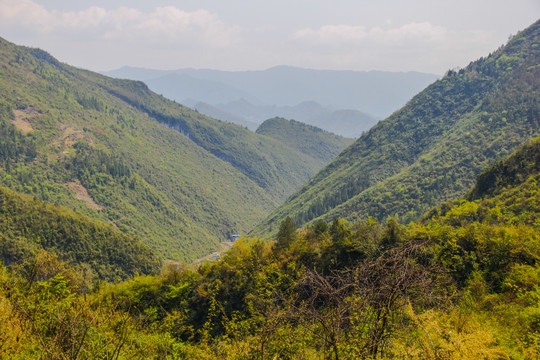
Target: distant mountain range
344 102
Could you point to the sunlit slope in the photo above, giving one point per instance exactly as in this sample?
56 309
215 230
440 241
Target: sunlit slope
432 149
117 152
28 225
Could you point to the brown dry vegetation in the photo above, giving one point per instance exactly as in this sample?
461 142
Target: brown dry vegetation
22 117
82 194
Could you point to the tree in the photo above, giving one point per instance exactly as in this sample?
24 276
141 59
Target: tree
339 230
286 234
320 228
393 234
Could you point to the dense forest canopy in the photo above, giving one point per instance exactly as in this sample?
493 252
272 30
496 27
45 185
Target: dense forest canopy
447 287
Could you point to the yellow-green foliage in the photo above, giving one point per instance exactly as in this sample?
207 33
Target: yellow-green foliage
312 300
450 334
14 340
42 315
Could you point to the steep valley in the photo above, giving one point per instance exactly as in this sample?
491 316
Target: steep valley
117 152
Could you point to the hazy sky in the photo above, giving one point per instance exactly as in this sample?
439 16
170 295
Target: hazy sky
394 35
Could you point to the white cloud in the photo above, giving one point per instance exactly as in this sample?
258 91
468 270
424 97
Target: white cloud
162 25
237 35
89 18
424 31
378 47
23 12
331 34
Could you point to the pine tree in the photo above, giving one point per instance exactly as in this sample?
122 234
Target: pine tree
287 233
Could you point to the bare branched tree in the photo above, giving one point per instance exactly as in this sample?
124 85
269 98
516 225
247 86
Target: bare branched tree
352 312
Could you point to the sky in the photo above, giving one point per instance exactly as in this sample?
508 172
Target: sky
390 35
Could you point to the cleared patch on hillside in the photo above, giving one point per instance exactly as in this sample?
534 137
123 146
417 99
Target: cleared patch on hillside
69 136
72 134
22 117
82 194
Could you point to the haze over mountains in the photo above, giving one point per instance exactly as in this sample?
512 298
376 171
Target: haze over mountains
344 102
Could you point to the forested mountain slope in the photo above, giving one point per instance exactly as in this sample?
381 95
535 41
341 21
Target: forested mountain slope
117 152
307 139
505 193
274 168
432 149
28 225
463 283
508 172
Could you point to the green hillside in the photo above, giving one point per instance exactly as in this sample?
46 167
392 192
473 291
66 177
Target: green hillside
28 225
307 139
508 172
461 284
507 193
263 160
117 152
432 149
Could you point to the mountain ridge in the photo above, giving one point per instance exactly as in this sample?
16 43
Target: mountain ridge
343 122
431 149
373 92
307 139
